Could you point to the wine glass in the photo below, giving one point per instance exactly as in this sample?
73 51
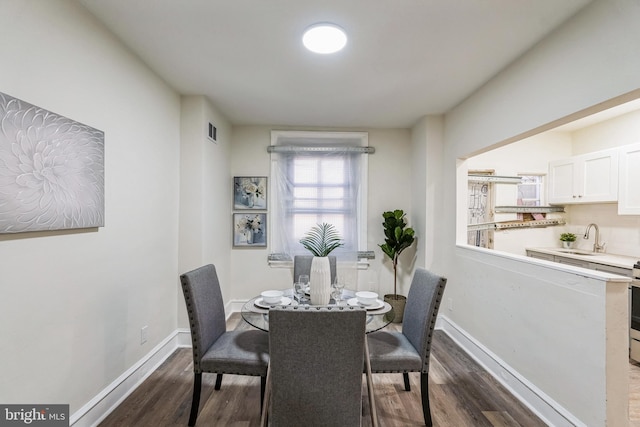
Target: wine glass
304 279
336 291
299 289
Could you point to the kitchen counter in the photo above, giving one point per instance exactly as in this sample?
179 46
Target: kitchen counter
614 260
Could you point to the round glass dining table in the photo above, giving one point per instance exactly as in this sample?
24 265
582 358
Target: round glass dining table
257 315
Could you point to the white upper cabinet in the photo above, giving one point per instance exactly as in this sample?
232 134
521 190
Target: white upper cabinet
588 178
629 191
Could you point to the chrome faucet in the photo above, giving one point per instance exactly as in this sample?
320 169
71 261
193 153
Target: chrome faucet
597 247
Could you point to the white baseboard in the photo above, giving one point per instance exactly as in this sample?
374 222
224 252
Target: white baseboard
108 399
183 337
531 396
98 408
234 306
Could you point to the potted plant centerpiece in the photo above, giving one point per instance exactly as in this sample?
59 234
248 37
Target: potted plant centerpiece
567 239
398 237
320 241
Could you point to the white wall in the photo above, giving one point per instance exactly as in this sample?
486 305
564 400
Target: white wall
73 302
205 194
426 169
389 171
390 188
591 59
616 132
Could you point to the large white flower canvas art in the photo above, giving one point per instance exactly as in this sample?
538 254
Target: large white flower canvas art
51 170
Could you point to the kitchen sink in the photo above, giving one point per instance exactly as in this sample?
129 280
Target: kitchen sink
577 252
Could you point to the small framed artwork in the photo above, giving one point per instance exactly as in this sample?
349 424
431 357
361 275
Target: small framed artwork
250 192
250 230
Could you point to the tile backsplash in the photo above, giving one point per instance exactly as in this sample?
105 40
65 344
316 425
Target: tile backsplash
620 233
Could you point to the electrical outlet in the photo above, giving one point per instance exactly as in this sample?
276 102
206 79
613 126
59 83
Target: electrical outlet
143 334
450 301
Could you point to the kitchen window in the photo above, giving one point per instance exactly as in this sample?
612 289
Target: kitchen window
531 193
318 177
531 190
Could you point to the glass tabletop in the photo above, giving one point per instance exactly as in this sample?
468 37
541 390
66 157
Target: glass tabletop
258 315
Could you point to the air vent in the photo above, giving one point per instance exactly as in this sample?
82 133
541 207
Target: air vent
213 132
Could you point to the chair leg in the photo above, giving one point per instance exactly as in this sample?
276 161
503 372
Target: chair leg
372 400
405 376
263 385
218 382
195 400
265 391
424 391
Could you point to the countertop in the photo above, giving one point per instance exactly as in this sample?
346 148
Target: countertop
614 260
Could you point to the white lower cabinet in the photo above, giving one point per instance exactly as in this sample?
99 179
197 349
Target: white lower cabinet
611 269
540 255
580 263
572 261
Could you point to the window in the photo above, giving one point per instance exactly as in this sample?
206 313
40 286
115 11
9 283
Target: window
530 193
530 190
318 177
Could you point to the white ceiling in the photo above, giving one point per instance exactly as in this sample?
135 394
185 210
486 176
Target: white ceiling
404 58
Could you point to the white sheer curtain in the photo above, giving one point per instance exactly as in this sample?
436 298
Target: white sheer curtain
316 181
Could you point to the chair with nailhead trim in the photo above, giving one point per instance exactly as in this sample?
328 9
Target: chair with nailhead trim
216 350
409 350
315 371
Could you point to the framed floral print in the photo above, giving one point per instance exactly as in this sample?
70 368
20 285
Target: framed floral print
250 230
250 192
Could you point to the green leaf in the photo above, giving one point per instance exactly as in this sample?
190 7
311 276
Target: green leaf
322 239
397 237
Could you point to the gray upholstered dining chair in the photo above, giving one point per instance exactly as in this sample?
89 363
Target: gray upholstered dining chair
315 368
216 350
302 265
409 350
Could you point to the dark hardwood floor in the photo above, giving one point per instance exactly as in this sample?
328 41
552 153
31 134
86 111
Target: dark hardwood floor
461 393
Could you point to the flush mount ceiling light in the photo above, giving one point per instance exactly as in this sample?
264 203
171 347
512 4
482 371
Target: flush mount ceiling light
324 38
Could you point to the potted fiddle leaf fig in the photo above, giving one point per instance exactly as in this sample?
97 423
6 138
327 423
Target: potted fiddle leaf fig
321 240
398 237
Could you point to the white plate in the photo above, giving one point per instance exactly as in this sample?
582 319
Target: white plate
260 303
375 306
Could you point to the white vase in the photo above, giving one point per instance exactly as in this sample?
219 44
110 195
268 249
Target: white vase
320 281
251 199
567 245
